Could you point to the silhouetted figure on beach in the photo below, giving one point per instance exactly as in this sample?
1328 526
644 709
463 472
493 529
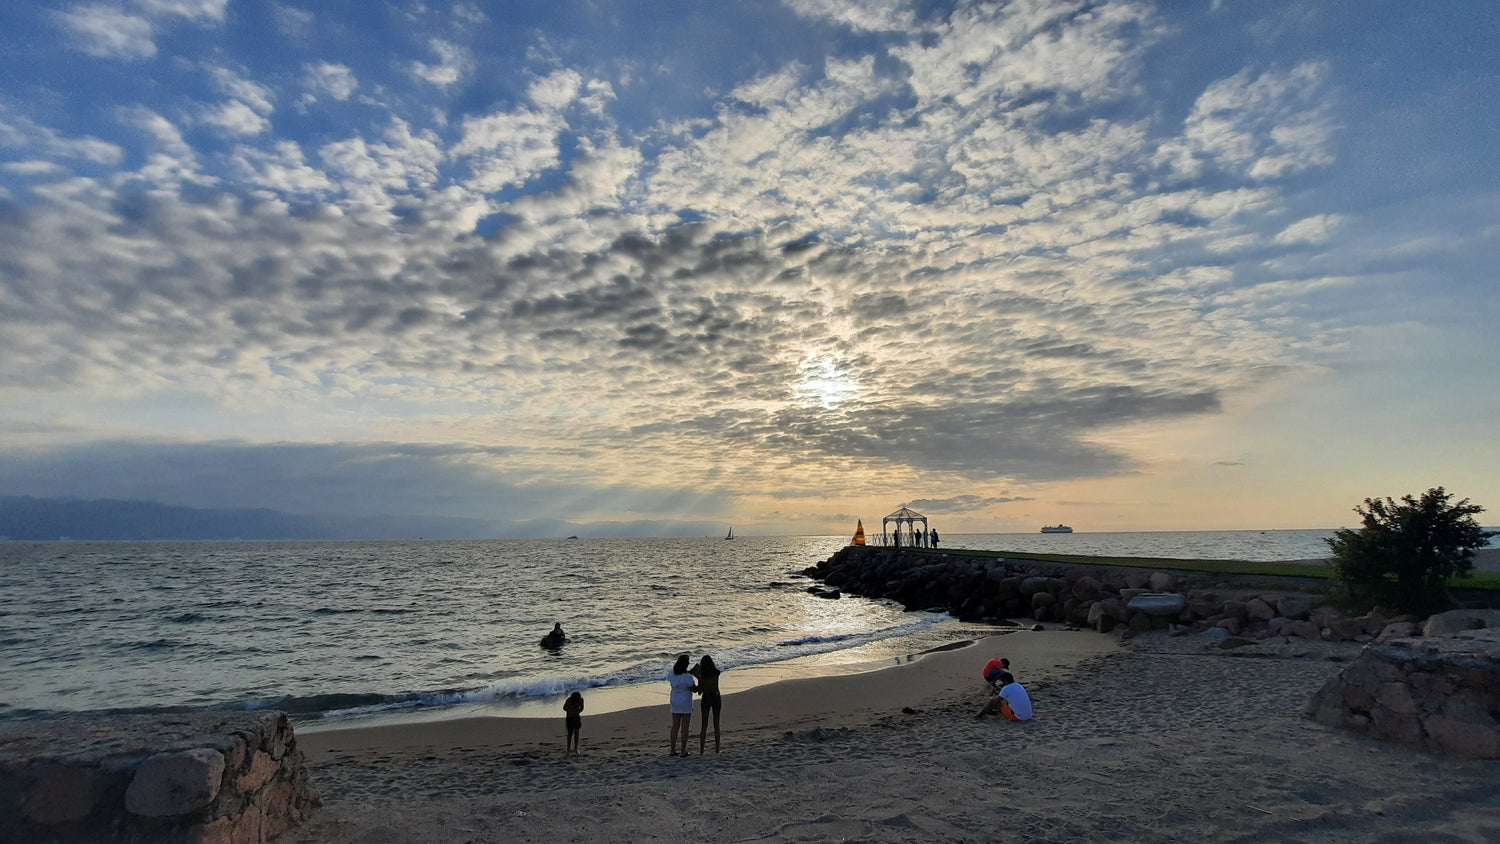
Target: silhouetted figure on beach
708 686
932 537
682 703
1011 702
896 537
556 638
573 719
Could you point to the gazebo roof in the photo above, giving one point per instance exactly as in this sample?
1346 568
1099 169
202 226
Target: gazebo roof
904 514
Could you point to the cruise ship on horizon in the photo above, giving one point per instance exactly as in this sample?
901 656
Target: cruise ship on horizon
1056 529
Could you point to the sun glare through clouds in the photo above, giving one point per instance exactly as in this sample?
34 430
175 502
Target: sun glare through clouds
825 382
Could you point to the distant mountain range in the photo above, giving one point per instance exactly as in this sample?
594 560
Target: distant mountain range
26 518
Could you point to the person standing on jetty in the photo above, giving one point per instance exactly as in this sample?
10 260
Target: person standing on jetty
573 718
682 703
708 686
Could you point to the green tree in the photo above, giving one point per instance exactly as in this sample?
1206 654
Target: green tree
1405 553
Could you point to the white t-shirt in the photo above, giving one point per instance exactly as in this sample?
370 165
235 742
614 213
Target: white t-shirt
1020 702
682 692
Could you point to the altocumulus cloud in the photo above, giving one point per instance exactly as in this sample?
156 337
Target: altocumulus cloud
992 228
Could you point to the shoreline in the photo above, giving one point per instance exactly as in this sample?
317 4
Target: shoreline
878 655
750 711
1156 739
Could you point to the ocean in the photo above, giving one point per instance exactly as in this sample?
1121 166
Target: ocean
345 632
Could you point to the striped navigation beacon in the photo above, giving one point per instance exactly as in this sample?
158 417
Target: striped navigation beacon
859 532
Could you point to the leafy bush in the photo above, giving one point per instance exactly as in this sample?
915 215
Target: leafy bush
1405 553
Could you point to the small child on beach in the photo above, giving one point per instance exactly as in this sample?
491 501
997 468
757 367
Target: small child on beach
573 707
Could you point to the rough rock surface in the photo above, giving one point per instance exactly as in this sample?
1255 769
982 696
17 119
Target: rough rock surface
1102 598
199 777
1437 693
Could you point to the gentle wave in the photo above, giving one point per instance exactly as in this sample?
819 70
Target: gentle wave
552 686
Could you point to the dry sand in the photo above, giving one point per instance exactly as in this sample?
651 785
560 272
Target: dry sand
1153 739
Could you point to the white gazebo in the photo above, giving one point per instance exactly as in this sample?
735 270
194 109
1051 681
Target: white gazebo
908 536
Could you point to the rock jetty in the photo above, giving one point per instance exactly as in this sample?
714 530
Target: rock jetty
1438 693
206 777
1102 598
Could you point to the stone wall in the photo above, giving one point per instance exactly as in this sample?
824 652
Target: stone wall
198 777
1436 693
1103 598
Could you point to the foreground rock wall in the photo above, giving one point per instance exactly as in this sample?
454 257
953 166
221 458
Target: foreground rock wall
199 777
1437 693
1103 598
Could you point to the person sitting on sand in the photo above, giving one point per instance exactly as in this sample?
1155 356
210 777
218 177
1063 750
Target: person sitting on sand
708 686
682 703
555 638
573 718
1011 701
992 670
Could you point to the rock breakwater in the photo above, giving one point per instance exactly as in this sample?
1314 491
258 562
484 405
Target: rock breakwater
1439 694
1103 598
193 777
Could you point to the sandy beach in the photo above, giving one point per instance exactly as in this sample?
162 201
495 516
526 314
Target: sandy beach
1153 739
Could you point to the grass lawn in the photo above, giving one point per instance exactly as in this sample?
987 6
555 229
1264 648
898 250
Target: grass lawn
1479 580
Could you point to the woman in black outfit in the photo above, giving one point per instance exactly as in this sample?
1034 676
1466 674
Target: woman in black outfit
708 685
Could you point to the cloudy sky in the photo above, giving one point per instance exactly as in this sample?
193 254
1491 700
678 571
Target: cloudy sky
1128 265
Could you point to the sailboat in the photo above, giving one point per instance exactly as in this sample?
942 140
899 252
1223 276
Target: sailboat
859 532
730 535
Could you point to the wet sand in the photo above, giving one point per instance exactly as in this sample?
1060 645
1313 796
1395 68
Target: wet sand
1154 739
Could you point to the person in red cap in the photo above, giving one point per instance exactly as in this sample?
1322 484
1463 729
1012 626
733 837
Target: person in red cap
993 668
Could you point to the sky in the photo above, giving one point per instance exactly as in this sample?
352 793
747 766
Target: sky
779 265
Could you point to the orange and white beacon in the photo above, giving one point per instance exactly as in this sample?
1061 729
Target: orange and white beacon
859 532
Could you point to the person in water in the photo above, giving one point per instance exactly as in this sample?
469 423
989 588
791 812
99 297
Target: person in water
556 637
682 703
573 719
1011 702
708 686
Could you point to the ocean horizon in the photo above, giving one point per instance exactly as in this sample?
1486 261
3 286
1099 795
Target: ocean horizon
333 631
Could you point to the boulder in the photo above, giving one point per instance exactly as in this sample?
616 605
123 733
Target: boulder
1399 630
1297 606
1306 630
1214 635
1161 581
1032 585
1157 604
1455 621
59 794
1257 609
1087 589
1440 694
200 776
175 782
